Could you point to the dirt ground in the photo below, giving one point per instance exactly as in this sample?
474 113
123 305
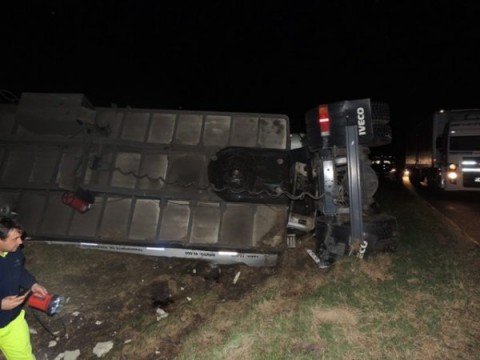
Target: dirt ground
125 306
115 298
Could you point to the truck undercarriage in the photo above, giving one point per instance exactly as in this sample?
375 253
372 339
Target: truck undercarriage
221 187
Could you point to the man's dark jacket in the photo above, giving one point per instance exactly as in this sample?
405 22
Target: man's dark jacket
13 276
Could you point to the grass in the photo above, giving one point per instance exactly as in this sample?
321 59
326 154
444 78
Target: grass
420 302
408 305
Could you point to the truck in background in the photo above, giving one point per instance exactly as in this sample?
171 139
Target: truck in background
220 187
443 151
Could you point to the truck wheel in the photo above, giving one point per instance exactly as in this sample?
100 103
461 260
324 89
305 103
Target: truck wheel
414 178
369 183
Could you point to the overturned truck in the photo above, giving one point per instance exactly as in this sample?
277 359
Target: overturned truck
222 187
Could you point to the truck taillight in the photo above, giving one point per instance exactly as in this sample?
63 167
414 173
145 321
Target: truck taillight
323 120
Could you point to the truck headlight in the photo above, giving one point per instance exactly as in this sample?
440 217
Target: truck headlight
452 175
452 167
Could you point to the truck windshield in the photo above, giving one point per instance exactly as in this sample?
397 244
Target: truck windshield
465 143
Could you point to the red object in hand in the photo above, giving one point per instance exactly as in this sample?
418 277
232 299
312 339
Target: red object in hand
50 304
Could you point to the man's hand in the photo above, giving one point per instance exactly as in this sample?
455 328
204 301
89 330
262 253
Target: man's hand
39 289
11 302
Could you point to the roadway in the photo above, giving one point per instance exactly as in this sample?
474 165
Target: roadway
462 208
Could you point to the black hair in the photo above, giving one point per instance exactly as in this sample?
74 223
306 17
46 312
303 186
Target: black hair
7 224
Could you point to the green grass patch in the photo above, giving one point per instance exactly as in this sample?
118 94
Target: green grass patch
407 314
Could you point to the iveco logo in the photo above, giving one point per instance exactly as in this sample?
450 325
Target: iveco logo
362 129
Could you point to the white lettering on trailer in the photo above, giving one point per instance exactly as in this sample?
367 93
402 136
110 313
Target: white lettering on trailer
216 257
362 129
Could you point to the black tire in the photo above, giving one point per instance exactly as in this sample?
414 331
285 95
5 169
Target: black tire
414 178
369 183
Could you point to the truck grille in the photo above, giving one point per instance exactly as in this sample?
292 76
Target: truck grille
471 172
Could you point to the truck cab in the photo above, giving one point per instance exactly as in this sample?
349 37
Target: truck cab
443 152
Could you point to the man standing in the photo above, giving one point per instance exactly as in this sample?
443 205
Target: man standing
14 278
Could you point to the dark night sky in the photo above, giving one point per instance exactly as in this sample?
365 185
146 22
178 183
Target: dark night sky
260 56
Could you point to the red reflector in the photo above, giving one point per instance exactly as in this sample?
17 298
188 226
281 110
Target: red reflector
323 120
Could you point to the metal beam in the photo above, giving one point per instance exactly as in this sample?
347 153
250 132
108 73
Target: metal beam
354 184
